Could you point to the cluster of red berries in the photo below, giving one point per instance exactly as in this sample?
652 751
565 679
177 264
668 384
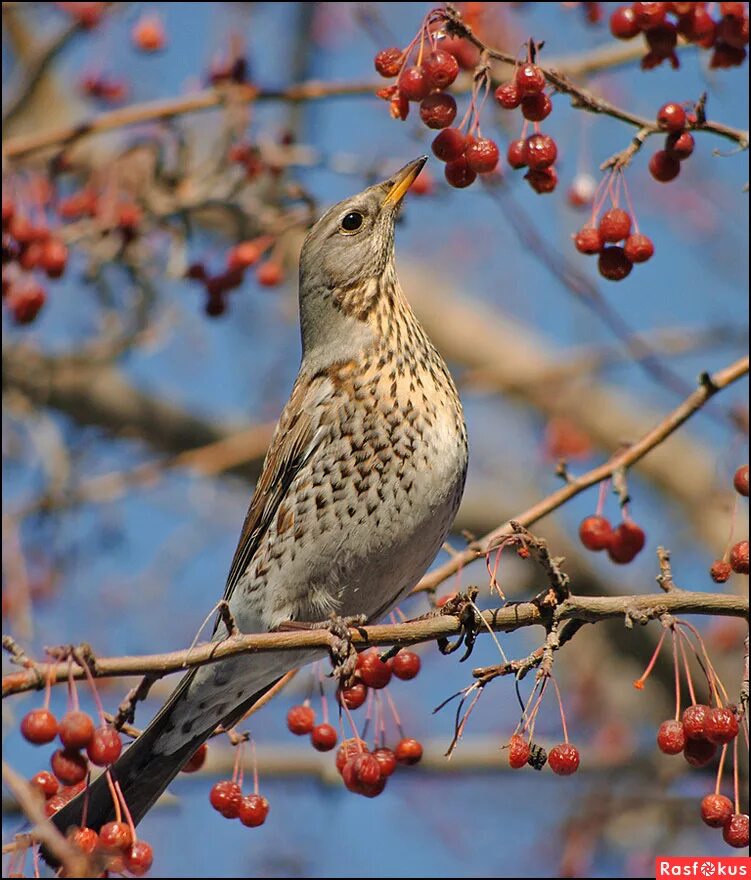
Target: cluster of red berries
623 543
241 257
663 23
665 164
563 758
366 772
736 557
375 674
118 844
227 798
536 152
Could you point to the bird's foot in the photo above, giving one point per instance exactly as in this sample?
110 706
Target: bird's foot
462 606
342 652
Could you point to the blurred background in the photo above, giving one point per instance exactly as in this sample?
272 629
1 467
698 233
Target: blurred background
135 424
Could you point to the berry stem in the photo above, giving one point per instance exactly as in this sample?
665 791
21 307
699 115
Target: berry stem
255 763
736 788
94 692
686 669
677 668
604 486
128 817
639 683
115 798
720 768
394 713
560 706
238 769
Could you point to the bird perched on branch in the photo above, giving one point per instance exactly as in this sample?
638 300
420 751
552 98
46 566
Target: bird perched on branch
358 491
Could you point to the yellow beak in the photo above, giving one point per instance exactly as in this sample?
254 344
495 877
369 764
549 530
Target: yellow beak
402 181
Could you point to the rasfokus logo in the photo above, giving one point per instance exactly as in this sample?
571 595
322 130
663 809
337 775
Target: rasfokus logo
703 867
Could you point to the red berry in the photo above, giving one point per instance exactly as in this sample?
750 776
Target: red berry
54 258
739 557
408 751
664 167
387 760
508 96
406 665
105 746
26 302
588 241
694 720
679 145
243 255
540 151
465 52
716 810
373 671
670 738
388 62
482 155
353 697
615 225
564 759
649 15
459 174
740 481
596 533
529 79
414 84
225 798
300 720
735 831
518 752
348 750
449 145
613 263
733 32
86 839
638 248
116 836
55 803
699 752
441 68
323 737
45 783
39 726
627 542
76 730
270 273
69 766
542 180
515 153
196 760
138 858
536 107
671 117
148 34
722 725
623 24
253 810
720 571
367 769
438 111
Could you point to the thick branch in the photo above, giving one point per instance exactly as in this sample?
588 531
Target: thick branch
591 609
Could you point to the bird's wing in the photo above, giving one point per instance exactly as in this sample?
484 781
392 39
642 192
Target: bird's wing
294 441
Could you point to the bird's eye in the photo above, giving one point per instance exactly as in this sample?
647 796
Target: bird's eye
352 222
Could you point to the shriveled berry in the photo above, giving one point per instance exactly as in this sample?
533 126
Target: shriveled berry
638 248
515 153
323 737
739 557
45 783
406 665
664 167
536 107
699 752
414 84
595 532
735 831
348 750
694 720
680 145
225 797
716 810
615 225
438 111
105 746
39 726
720 571
540 151
449 145
564 759
408 751
300 720
588 241
613 263
627 542
542 180
482 155
139 858
373 671
76 730
441 68
623 24
69 766
115 836
518 752
722 725
508 96
253 810
459 174
670 737
86 839
671 117
740 481
529 79
387 761
196 760
353 697
388 62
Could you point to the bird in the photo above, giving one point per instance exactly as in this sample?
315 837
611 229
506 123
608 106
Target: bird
359 488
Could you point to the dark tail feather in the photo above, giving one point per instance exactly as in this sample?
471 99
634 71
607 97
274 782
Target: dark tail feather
142 774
